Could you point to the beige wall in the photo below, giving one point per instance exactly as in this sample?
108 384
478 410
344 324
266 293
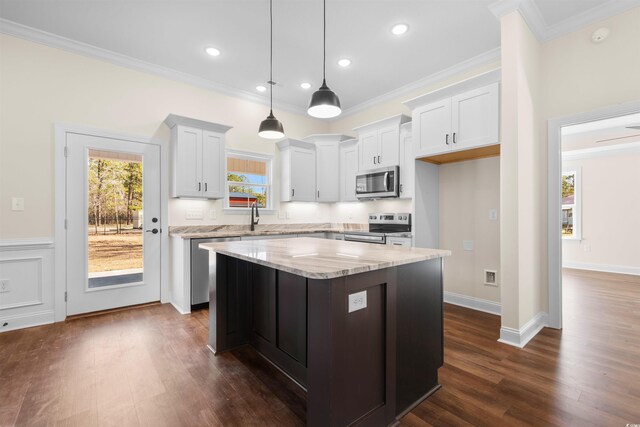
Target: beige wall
468 190
40 86
610 208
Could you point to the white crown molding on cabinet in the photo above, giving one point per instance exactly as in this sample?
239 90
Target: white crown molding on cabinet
544 32
52 40
520 337
432 79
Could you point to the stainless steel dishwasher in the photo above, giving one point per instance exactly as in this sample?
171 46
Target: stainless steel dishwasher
203 269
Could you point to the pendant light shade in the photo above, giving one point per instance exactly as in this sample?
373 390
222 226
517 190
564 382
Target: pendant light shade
324 102
271 128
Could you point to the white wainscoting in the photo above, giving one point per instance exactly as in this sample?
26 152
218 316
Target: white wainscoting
28 266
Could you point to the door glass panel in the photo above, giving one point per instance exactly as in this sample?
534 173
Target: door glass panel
114 219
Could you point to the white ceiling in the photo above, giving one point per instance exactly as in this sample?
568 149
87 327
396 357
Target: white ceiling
174 33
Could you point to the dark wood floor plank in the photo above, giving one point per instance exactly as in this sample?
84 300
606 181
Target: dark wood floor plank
150 366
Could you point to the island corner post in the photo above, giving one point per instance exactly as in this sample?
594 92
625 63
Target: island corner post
365 367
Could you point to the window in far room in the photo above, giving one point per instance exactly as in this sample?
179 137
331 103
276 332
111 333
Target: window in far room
571 205
248 180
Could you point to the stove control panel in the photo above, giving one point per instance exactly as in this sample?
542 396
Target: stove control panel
390 218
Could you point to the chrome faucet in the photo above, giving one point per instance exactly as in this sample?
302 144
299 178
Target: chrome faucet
256 219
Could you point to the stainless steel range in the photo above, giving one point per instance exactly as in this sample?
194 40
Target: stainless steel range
385 229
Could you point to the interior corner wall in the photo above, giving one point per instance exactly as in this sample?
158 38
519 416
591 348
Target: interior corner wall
41 85
521 228
468 191
609 201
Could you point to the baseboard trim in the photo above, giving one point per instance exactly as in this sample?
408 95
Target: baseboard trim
620 269
180 310
28 320
473 303
520 337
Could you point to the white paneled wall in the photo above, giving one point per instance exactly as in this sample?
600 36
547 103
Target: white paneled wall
26 268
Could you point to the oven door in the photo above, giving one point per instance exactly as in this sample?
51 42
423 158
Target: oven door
377 183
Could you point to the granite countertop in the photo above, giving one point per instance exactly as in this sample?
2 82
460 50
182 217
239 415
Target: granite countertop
323 259
239 230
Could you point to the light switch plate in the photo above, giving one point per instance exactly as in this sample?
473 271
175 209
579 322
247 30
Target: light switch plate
17 203
467 245
212 214
357 301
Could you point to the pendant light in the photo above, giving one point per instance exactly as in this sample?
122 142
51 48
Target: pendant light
271 128
324 102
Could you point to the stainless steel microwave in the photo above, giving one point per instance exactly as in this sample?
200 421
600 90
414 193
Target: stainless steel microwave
378 183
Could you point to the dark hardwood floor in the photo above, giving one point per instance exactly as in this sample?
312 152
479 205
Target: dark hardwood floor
149 366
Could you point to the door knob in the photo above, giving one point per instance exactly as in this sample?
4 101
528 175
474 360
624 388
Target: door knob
154 219
154 231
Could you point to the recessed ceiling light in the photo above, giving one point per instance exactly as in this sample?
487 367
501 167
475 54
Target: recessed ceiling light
212 51
261 88
305 85
344 62
399 29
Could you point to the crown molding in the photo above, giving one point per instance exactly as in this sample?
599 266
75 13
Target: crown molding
52 40
545 32
457 69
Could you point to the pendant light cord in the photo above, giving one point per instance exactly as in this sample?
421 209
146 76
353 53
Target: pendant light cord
271 55
324 40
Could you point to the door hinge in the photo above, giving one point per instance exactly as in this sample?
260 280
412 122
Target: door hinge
66 152
65 296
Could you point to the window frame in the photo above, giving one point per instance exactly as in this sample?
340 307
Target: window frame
577 203
249 155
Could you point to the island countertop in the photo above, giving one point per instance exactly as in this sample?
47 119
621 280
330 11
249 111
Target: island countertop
323 259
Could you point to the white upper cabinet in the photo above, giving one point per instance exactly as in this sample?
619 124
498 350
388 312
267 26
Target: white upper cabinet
380 142
407 162
327 165
197 157
348 170
297 171
458 117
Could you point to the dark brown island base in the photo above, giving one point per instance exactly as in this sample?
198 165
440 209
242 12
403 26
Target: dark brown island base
358 325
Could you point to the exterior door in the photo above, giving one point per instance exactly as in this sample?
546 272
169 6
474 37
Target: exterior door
113 223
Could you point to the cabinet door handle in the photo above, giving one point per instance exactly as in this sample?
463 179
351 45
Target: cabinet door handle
454 137
374 160
293 192
446 139
318 193
205 186
378 159
199 186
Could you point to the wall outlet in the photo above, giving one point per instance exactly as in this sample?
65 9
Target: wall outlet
5 285
195 214
212 214
467 245
357 301
490 278
17 203
586 247
493 214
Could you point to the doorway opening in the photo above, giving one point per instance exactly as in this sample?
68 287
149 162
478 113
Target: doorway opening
115 218
592 198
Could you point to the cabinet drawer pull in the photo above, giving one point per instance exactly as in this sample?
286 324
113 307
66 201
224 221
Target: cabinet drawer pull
446 139
454 137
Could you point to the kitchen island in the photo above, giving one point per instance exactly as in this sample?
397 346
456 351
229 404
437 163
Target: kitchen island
358 325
